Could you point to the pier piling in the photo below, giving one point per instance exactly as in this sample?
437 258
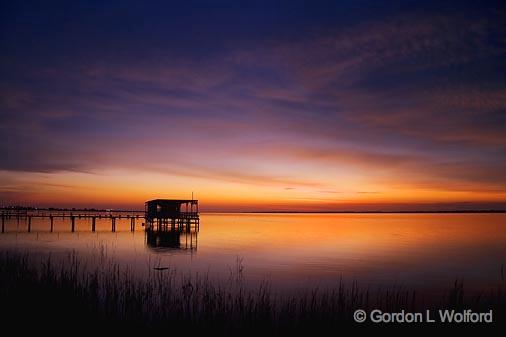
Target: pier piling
166 216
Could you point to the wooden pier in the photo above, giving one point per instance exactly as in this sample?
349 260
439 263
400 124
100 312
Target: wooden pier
71 217
159 215
169 224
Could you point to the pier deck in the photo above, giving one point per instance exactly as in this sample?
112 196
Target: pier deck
166 215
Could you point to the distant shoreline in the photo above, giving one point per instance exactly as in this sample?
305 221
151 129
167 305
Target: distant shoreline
369 212
258 212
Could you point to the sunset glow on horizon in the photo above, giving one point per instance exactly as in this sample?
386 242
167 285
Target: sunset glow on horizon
254 107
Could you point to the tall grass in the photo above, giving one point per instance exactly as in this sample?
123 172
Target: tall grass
55 295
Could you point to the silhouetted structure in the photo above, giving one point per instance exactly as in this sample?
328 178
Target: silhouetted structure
160 214
180 215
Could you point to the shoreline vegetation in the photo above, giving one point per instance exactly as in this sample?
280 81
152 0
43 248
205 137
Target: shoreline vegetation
52 294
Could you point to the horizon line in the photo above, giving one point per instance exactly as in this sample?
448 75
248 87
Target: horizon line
265 211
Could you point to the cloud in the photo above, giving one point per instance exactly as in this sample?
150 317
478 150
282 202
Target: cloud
410 98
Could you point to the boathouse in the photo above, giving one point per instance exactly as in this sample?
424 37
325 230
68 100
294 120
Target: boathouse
176 213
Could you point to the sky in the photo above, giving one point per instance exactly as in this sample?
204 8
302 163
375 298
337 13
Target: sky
254 105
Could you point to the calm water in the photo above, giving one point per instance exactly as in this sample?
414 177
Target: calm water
294 251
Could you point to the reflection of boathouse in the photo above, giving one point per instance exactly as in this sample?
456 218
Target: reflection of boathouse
171 223
171 240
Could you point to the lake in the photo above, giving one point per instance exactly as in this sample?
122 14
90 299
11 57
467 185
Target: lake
293 252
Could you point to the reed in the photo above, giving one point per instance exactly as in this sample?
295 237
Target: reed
54 295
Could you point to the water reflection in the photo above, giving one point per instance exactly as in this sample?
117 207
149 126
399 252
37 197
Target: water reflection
163 240
292 251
